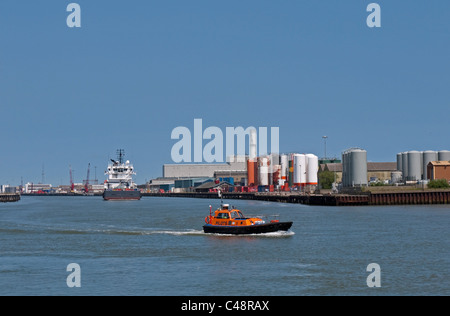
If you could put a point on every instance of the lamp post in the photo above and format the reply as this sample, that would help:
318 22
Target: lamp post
325 141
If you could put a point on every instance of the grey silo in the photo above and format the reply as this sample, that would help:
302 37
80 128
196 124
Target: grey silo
344 169
354 167
399 162
359 167
444 155
405 165
428 156
414 166
348 170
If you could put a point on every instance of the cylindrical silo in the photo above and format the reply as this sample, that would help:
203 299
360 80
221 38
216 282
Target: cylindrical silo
399 162
253 145
405 166
358 167
274 161
264 171
354 168
428 156
396 177
284 169
299 169
312 169
252 172
444 155
414 166
345 169
291 170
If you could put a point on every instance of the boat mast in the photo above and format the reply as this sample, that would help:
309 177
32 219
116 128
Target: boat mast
120 155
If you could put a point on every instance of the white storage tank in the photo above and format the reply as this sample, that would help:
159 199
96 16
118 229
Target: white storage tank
284 169
396 177
253 145
264 171
299 169
414 166
274 161
312 169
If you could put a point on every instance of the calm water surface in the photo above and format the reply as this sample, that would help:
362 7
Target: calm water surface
156 247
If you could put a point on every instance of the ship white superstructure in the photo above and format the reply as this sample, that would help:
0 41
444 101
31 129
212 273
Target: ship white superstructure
120 174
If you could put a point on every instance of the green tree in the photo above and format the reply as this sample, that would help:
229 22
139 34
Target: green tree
326 179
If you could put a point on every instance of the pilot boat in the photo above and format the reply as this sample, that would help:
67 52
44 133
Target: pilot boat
228 220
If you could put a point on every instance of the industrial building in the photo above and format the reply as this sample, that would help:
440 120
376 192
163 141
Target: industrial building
376 171
6 188
233 177
238 164
214 186
35 188
414 164
265 173
439 170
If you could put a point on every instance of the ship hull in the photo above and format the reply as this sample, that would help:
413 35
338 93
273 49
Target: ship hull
122 195
247 230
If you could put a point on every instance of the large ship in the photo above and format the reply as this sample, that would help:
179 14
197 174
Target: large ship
120 185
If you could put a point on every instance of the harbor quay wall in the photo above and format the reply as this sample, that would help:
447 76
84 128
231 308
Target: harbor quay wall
410 198
324 200
9 198
379 198
374 199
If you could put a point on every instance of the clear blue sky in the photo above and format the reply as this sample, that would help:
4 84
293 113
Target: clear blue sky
135 70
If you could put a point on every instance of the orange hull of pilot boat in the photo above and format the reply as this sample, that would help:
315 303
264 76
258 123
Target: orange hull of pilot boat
227 220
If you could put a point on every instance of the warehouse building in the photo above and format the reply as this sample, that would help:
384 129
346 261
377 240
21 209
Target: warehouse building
234 164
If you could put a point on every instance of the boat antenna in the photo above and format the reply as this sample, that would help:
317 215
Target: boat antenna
120 155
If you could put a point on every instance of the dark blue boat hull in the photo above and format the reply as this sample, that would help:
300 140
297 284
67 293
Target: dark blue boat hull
247 230
121 195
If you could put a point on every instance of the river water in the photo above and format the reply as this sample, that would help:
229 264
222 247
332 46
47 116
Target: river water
156 247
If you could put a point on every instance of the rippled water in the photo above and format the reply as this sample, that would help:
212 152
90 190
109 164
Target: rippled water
156 246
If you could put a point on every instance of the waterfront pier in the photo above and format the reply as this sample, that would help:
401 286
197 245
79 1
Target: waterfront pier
7 197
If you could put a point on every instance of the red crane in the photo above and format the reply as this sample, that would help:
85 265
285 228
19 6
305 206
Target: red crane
72 185
86 186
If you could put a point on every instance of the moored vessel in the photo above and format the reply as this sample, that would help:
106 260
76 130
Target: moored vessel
228 220
120 185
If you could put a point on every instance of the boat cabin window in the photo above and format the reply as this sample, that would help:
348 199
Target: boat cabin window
236 214
223 215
